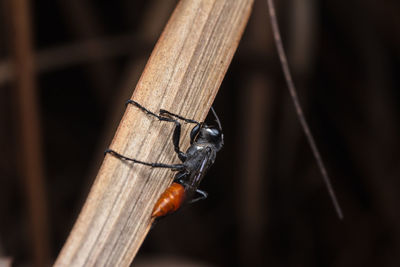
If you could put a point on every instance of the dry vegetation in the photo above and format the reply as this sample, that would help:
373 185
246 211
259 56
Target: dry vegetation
79 62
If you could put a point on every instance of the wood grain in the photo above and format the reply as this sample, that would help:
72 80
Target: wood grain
182 75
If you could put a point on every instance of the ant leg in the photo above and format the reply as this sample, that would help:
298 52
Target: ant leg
177 131
175 140
154 165
130 101
163 112
203 195
195 129
194 132
180 176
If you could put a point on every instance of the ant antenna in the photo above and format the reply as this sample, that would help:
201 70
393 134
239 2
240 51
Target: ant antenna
299 110
216 119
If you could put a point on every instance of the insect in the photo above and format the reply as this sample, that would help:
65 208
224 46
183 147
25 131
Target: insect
205 142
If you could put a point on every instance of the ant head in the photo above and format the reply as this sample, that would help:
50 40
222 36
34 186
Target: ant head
202 133
211 134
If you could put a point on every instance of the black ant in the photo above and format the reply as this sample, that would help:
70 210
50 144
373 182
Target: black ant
205 142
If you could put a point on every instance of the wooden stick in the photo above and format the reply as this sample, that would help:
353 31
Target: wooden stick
182 75
30 157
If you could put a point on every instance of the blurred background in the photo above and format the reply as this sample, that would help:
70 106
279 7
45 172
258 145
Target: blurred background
67 67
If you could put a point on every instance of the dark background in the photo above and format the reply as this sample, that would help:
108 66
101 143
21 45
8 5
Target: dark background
267 203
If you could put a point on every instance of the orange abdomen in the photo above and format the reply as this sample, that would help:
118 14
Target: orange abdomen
169 201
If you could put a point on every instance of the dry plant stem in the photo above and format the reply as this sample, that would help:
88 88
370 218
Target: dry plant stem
182 75
299 110
58 57
30 156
